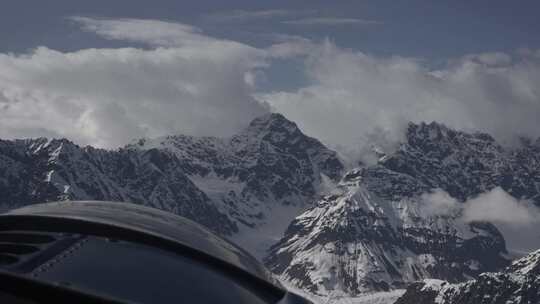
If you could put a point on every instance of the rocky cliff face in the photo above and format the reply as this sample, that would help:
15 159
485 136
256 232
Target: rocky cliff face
374 233
355 241
517 284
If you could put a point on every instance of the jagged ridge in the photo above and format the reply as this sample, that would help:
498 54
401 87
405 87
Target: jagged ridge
372 234
231 185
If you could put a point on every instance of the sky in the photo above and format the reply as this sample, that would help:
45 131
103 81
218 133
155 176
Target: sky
350 73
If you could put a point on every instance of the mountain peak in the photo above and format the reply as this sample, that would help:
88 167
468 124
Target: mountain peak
517 284
435 131
271 117
432 130
272 122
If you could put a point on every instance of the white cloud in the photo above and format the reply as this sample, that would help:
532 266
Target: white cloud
517 220
106 97
245 15
286 46
188 82
352 95
439 203
330 21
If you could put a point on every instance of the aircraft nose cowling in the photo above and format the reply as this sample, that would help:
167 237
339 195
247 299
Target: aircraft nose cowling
124 253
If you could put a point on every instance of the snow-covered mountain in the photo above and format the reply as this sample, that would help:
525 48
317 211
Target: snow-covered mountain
373 231
41 170
355 241
261 178
517 284
247 187
335 233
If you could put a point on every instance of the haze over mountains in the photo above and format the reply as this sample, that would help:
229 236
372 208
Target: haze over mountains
323 227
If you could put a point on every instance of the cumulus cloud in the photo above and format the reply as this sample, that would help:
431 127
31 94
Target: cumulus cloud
516 219
288 46
352 95
186 83
331 21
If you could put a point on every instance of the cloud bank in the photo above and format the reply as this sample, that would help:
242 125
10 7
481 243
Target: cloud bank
185 83
517 220
352 96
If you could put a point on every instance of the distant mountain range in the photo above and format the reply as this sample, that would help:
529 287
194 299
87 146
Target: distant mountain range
291 201
517 284
247 187
371 233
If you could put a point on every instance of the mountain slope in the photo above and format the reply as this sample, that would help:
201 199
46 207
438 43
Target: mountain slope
354 241
517 284
374 232
41 170
466 164
261 177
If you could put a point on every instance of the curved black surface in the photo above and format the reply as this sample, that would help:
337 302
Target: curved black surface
150 221
132 253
